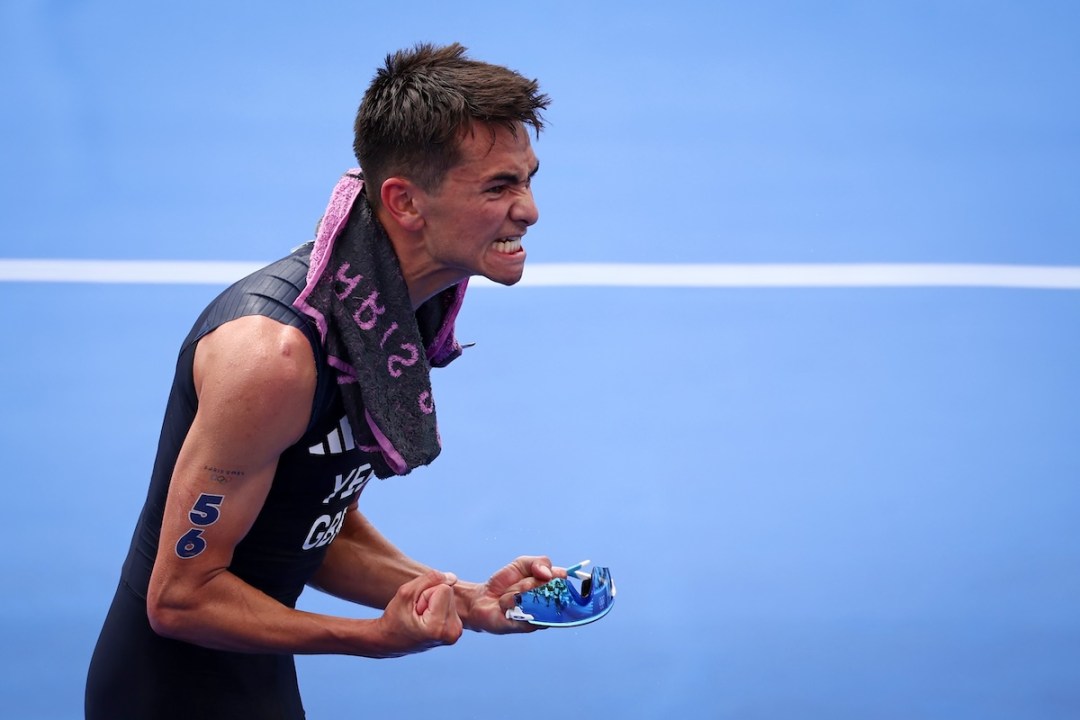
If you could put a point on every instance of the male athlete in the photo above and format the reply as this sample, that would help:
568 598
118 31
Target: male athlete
299 383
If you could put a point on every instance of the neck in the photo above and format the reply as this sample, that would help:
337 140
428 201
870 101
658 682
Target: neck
424 277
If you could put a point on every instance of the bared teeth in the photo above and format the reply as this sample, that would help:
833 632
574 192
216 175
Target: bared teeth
508 245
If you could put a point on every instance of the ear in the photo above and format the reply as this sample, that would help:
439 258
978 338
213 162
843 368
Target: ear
398 196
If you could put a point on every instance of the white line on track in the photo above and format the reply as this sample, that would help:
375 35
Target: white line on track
749 275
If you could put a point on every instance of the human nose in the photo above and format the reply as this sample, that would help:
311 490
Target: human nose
524 209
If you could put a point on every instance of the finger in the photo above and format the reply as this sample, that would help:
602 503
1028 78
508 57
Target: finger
424 586
512 595
523 567
509 601
439 600
423 601
541 569
431 578
441 618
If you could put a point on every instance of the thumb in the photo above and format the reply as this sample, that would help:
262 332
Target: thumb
427 585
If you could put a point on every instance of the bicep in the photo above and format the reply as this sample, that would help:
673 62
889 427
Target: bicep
255 380
216 493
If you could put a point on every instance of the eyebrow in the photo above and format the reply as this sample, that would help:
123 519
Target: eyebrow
513 178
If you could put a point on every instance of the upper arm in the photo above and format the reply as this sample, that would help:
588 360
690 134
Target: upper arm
255 380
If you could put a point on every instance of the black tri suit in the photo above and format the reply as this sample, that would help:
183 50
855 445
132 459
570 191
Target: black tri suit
136 673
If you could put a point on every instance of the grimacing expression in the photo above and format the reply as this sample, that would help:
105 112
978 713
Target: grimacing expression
475 221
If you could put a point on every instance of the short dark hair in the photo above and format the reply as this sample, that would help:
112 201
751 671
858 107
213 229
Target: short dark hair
420 104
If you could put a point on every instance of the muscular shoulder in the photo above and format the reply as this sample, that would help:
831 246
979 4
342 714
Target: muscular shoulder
256 346
257 368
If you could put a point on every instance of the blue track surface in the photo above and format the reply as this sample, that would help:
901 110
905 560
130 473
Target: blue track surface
832 503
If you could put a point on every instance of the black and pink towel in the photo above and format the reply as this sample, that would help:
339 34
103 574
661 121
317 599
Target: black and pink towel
380 348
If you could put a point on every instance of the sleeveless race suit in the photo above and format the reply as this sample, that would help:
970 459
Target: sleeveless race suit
136 673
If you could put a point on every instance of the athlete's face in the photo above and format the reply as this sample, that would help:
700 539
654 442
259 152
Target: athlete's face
474 222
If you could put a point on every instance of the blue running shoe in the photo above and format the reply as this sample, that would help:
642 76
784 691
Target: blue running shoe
560 603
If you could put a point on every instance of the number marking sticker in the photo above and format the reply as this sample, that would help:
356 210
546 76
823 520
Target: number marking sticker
205 512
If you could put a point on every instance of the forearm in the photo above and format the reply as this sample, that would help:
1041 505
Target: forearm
226 613
362 566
